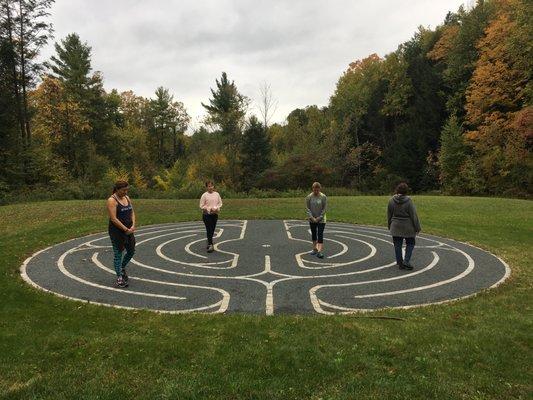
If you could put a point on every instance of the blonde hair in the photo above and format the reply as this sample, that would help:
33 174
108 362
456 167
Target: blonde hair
316 185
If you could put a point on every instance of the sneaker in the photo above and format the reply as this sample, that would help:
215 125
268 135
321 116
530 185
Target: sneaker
400 266
121 283
314 252
407 266
124 276
320 254
210 248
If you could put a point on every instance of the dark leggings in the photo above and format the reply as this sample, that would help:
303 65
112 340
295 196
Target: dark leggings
210 221
317 236
409 246
119 261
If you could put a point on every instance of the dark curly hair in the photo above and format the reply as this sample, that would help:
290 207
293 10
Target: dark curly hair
402 188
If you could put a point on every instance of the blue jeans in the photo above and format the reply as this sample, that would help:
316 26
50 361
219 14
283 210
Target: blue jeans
409 246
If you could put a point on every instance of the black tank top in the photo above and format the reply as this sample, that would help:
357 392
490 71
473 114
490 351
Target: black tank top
124 214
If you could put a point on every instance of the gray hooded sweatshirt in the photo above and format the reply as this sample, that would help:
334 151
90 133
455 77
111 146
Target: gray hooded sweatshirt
402 218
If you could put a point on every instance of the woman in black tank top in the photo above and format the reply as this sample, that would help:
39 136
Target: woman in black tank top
121 228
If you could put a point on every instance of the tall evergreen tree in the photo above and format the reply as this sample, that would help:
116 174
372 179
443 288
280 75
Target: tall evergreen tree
256 153
419 132
9 129
169 119
453 154
226 110
72 65
27 31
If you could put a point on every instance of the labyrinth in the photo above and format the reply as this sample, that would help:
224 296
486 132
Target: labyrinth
264 267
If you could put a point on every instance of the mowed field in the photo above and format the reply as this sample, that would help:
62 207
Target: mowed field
476 348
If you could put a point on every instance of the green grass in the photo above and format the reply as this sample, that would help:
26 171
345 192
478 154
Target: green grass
477 348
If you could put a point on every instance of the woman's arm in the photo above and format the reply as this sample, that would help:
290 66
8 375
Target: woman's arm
308 210
389 213
112 211
414 217
216 208
202 203
323 211
132 229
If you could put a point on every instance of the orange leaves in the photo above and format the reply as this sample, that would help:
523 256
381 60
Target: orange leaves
523 124
494 84
446 42
362 65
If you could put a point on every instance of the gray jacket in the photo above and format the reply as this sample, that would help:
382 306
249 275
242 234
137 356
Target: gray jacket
316 207
402 218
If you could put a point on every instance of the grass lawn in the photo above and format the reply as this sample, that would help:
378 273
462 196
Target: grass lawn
477 348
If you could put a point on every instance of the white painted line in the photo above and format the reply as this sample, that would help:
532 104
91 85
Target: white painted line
469 269
234 262
210 265
62 268
340 253
269 303
317 302
223 303
301 262
188 247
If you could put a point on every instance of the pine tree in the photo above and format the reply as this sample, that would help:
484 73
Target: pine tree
168 122
226 110
452 156
72 65
256 153
28 31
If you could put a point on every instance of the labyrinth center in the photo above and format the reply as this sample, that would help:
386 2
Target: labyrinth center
264 267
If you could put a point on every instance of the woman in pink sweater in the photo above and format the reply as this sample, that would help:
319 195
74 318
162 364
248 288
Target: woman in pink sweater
210 204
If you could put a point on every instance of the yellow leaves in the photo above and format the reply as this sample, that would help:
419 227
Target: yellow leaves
57 114
116 174
162 182
137 179
192 172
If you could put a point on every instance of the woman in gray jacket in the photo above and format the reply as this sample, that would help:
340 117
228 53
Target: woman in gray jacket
316 203
403 224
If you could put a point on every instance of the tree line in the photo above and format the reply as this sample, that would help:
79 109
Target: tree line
449 110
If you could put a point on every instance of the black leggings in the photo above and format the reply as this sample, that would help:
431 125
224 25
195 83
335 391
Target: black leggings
317 226
210 221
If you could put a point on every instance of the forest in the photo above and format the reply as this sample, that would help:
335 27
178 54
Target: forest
448 111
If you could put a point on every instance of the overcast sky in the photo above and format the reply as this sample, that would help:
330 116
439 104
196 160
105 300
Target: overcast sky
299 47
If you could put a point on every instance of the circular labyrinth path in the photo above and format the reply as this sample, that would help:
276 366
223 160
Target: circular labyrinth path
264 267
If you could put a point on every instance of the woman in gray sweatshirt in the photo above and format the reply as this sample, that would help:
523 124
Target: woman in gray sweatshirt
316 203
403 224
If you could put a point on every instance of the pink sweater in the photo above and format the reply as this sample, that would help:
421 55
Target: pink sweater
210 202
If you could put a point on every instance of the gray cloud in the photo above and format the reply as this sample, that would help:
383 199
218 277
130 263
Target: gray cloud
300 47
